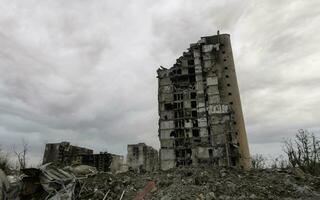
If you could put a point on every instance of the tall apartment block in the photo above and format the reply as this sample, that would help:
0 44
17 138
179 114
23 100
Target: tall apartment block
201 120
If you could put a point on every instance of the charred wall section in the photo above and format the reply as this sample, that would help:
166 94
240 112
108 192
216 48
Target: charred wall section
201 120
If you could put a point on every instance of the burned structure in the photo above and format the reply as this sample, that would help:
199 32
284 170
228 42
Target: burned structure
201 120
64 154
142 157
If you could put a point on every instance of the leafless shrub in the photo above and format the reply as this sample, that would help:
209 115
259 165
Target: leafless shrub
304 151
279 162
22 155
258 161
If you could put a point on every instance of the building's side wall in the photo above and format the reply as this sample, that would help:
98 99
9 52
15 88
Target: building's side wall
232 95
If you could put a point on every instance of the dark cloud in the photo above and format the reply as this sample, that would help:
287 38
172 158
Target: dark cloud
85 71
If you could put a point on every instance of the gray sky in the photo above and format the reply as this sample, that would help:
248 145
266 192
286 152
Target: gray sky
85 70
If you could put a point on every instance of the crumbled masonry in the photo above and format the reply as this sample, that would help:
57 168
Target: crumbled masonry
181 183
201 120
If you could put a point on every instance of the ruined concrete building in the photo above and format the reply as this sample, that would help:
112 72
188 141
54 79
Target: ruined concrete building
142 157
64 154
201 120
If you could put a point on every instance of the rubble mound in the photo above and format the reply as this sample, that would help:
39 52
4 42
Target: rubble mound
202 184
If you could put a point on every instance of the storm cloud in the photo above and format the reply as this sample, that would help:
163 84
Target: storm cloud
85 71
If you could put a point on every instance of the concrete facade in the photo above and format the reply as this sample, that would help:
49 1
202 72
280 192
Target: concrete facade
63 153
201 120
142 157
103 161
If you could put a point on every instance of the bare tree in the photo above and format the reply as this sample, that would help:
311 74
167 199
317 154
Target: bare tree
22 155
5 164
304 151
279 162
258 161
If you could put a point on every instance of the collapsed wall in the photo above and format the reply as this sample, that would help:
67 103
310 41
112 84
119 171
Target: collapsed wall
201 120
142 157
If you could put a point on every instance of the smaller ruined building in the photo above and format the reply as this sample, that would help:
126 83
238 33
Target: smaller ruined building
64 154
103 161
142 157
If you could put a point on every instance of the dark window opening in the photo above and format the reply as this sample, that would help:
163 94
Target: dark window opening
236 133
194 114
234 123
190 62
173 134
225 67
195 133
233 162
223 52
192 78
195 123
229 93
227 76
191 70
224 60
165 117
168 106
228 85
179 71
193 104
210 152
193 95
231 103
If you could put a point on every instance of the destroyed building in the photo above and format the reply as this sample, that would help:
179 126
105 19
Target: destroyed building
142 157
201 120
64 154
103 161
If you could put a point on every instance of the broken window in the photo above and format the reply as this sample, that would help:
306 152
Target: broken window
168 106
193 95
195 133
193 104
195 123
191 70
192 78
194 114
210 152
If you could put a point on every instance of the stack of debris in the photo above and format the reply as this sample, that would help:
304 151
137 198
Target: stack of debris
85 182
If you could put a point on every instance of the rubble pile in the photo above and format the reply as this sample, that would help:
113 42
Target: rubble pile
204 184
196 183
